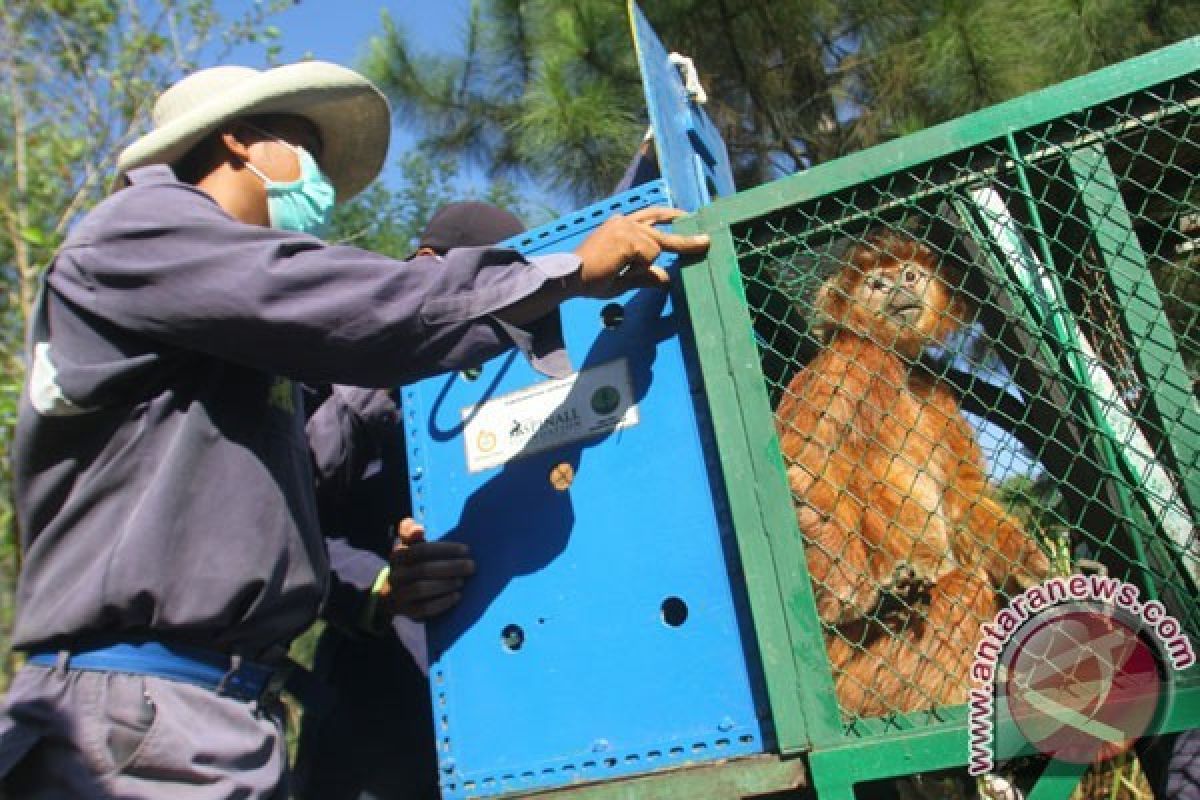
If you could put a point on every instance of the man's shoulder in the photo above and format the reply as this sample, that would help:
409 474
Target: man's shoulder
153 200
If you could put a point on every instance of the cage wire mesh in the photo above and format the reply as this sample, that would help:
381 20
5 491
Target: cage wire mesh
1044 409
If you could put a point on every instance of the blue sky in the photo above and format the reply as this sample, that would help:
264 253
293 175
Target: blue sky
337 30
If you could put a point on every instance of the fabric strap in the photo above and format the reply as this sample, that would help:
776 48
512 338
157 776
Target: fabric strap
224 674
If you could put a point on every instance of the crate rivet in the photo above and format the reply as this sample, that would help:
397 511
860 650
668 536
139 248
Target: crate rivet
726 725
601 746
562 476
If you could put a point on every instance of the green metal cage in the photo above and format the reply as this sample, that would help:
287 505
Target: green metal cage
1069 220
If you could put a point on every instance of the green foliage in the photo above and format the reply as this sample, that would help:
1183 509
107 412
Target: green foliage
303 651
9 551
1038 505
548 90
926 62
389 220
1034 501
774 76
545 90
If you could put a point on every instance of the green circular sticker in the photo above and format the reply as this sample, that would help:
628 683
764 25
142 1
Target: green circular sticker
605 400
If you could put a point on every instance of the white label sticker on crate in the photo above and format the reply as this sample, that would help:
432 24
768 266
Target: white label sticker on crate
551 414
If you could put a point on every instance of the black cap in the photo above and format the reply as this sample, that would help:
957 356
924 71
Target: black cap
468 225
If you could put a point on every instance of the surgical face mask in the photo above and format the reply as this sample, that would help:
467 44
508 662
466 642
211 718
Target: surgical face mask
303 205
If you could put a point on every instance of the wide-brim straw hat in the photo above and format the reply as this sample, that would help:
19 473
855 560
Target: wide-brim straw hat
350 113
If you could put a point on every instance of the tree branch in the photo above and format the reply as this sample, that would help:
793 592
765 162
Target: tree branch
756 98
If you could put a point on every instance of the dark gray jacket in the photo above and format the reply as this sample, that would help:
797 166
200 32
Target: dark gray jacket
361 474
163 482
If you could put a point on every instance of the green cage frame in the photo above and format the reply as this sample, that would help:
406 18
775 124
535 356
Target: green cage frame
798 676
816 748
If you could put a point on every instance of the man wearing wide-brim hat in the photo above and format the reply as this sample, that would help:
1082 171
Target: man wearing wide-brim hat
163 485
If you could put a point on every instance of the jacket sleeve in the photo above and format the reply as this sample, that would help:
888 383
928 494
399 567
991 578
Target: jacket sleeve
343 434
162 262
353 573
343 438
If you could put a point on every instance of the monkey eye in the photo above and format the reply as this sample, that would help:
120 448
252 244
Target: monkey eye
877 283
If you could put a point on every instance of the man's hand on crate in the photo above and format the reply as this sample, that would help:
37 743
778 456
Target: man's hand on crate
618 256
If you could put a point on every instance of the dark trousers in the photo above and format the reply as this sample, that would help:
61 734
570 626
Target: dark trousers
373 739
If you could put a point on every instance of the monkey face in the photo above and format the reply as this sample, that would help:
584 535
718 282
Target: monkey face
898 300
896 293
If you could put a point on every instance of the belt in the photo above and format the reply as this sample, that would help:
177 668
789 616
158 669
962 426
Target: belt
218 672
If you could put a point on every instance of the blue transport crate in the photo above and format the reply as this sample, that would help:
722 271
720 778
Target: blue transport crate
601 636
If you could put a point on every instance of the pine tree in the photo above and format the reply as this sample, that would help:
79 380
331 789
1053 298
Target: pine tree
548 89
924 62
545 90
